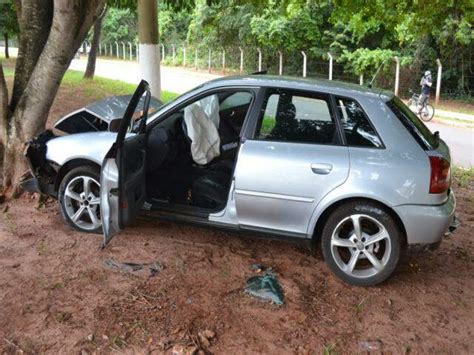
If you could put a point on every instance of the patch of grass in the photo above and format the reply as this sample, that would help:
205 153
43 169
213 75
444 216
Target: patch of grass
464 177
12 227
99 87
359 308
42 248
329 349
62 317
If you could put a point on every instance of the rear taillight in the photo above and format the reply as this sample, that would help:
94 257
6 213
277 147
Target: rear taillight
440 175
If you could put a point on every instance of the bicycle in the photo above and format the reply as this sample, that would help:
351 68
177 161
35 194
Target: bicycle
425 111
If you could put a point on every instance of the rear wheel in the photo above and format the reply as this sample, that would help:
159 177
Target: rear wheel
79 199
361 243
427 113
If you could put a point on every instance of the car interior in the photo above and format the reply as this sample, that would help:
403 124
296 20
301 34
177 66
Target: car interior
191 154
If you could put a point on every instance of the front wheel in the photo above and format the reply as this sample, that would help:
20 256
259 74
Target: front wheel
427 113
79 199
361 243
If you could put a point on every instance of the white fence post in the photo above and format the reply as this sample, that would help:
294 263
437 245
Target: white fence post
196 58
137 50
117 49
124 53
361 79
111 52
330 65
259 59
162 51
130 50
241 60
280 67
209 61
304 64
438 81
397 74
100 49
184 56
223 61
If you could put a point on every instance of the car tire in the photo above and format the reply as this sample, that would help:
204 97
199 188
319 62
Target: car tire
364 256
72 198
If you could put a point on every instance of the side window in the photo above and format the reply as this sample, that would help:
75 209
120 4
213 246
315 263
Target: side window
233 110
235 100
297 117
355 124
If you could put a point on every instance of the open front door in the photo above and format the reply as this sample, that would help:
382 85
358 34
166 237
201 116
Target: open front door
122 178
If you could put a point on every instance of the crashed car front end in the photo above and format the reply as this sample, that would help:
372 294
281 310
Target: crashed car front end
42 176
51 150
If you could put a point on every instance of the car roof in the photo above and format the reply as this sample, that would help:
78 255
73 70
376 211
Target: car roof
311 84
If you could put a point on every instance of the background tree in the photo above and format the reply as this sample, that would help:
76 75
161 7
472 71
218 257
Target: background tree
50 34
92 55
8 24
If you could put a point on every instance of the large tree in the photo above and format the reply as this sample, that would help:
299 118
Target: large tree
51 32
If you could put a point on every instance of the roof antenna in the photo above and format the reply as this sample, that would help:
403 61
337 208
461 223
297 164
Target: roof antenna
375 75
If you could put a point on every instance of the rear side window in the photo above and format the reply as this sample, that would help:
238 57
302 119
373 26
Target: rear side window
298 117
355 124
415 126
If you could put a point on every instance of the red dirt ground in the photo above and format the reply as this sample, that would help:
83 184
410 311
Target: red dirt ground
57 296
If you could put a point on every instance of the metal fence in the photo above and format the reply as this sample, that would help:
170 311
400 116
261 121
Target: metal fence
393 76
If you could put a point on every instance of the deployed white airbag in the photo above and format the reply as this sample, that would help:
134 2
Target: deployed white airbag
202 120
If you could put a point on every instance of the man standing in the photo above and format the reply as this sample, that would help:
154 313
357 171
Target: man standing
425 83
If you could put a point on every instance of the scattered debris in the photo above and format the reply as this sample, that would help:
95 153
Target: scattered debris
127 267
154 267
205 337
258 267
370 345
90 337
266 287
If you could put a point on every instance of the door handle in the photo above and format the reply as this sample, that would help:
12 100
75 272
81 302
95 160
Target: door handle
321 168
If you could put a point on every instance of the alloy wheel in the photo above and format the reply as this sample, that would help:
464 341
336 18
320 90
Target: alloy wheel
82 202
361 246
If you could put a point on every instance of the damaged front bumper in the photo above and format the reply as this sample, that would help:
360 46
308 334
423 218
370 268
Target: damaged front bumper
42 175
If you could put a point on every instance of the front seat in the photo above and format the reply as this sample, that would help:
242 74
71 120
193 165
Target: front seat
211 190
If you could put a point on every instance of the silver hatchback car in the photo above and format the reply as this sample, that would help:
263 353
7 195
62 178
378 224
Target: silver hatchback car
349 167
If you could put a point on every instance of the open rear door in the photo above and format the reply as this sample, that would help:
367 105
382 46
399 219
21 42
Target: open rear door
122 178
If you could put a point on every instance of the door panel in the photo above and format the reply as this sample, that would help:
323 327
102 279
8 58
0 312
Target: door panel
123 189
278 184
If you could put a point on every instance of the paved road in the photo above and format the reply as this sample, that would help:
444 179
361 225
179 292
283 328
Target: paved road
176 80
460 140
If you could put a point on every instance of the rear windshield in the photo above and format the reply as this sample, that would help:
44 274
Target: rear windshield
415 126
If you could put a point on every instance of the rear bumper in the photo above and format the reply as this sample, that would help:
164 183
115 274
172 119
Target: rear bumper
427 225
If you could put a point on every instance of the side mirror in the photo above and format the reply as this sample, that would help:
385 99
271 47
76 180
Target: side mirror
114 125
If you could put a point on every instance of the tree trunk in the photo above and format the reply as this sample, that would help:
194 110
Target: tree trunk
5 36
71 21
92 57
35 23
148 36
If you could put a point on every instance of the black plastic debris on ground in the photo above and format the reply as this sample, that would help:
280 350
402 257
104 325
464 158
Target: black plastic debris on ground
266 287
154 267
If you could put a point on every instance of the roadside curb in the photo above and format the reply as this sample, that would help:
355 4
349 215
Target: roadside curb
451 122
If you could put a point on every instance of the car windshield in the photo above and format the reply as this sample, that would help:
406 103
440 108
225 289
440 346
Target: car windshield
414 125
